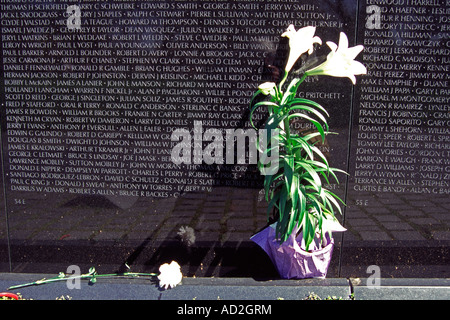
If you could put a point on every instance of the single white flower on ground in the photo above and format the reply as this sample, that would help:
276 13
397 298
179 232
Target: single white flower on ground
267 88
170 275
300 41
340 61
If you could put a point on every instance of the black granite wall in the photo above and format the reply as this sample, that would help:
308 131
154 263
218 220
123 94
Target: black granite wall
91 93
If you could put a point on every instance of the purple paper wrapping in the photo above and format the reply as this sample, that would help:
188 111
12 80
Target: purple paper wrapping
291 261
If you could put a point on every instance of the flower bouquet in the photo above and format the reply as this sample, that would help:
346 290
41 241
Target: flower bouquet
300 242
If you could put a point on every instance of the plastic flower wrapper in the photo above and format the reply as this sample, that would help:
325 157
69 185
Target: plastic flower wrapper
301 261
340 61
170 275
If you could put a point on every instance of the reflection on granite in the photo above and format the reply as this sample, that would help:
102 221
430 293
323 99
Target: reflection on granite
406 234
94 231
392 216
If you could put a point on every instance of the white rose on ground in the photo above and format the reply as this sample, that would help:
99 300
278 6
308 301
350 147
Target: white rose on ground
170 275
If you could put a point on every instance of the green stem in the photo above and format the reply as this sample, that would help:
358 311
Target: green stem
286 121
280 86
298 83
127 274
83 276
302 78
288 135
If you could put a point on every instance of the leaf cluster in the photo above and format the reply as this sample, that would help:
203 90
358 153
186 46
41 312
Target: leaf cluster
296 192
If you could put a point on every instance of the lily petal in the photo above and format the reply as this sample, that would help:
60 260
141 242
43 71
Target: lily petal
267 88
340 61
300 41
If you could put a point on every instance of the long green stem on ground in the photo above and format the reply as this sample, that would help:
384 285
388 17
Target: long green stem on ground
89 276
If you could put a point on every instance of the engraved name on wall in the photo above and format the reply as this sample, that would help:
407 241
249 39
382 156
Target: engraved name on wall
93 91
402 122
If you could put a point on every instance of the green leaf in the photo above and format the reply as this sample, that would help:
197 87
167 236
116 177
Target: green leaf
294 200
291 90
294 190
287 214
311 172
274 121
321 155
319 223
308 231
302 202
273 144
333 198
310 102
282 202
332 171
268 181
255 95
312 185
314 122
257 105
299 144
311 110
315 134
267 184
273 203
288 166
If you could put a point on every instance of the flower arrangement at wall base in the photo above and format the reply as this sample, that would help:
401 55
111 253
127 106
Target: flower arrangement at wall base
300 242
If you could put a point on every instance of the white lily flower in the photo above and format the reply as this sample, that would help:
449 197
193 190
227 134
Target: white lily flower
300 41
340 61
267 88
170 275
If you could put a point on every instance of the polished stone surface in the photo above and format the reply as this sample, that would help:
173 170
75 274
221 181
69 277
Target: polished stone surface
392 139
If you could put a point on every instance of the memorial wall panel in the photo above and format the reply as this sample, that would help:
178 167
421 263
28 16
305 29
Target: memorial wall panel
4 252
93 92
399 182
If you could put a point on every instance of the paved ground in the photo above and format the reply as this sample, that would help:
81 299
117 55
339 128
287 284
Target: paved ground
241 290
